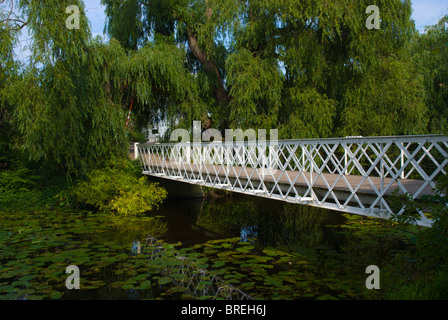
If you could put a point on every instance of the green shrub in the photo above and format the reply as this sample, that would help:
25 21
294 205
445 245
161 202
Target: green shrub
119 187
140 198
20 179
427 279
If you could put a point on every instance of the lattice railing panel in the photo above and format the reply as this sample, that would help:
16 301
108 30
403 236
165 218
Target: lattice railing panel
353 174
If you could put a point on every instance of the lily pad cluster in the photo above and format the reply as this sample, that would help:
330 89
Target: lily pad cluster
265 273
115 262
37 247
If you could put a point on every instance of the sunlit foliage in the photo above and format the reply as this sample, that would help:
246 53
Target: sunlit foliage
308 68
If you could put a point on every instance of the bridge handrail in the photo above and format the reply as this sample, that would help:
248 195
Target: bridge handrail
348 139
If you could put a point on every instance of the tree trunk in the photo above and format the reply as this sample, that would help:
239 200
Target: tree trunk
221 94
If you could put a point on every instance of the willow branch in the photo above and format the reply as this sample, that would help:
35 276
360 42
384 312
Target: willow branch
19 27
10 11
221 93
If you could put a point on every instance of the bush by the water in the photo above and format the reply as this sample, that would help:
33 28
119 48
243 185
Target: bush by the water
22 188
119 187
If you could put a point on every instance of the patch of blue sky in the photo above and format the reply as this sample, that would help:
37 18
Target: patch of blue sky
425 13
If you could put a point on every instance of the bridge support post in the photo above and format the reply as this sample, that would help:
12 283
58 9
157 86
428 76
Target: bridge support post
345 159
178 189
136 150
402 161
382 176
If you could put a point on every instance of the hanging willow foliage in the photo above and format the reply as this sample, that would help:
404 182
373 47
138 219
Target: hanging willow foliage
307 68
63 109
72 98
310 67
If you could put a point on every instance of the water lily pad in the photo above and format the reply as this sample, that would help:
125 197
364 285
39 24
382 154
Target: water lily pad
56 295
145 284
164 280
272 252
127 286
218 263
245 249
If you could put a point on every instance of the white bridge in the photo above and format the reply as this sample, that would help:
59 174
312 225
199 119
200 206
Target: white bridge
354 174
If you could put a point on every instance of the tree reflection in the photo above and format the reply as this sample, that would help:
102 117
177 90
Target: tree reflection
271 222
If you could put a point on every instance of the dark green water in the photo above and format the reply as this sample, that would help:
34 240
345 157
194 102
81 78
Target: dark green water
268 249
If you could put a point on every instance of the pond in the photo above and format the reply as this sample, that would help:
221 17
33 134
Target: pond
265 248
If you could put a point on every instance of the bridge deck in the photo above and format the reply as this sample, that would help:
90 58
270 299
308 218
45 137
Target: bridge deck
338 182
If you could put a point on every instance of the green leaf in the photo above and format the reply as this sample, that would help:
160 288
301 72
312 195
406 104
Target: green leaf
245 249
145 284
127 286
164 280
56 295
218 263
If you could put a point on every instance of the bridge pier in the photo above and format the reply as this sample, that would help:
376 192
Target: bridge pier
178 189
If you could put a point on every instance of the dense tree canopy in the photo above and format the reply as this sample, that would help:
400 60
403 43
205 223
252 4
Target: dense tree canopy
310 68
8 72
62 107
431 51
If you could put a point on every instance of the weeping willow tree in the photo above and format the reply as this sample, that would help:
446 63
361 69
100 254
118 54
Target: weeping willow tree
156 78
9 70
66 116
71 100
431 49
309 68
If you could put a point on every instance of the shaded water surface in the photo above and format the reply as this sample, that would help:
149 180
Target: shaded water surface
268 249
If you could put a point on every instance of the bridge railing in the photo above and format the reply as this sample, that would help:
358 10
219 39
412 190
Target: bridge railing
351 174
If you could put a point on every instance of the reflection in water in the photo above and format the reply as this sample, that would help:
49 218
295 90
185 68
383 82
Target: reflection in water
333 249
181 217
249 232
270 222
136 248
332 253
